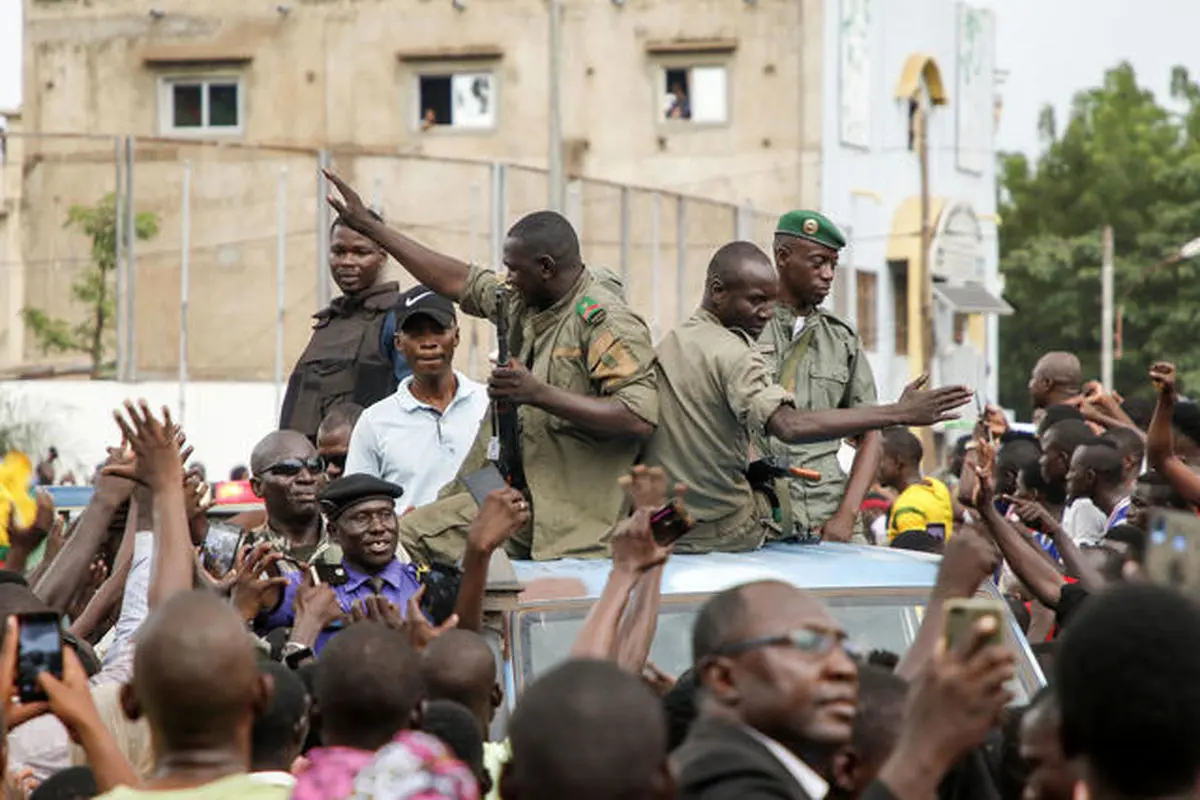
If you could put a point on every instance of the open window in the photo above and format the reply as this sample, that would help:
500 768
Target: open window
698 94
456 100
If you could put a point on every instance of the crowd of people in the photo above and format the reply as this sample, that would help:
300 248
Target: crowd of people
345 650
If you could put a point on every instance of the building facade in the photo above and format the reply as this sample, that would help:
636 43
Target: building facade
718 113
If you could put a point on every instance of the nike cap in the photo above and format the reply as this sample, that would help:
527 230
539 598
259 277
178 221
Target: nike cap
419 301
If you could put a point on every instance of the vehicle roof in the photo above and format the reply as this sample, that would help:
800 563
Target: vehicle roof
69 498
815 566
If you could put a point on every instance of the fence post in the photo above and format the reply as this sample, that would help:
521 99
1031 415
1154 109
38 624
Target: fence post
574 206
743 227
185 252
499 211
122 267
324 220
280 279
626 233
131 268
474 209
655 265
681 260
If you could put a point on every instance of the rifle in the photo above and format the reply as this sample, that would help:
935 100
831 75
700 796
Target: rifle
505 450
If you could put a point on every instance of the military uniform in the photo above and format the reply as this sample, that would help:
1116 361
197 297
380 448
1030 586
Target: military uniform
714 389
295 558
345 360
824 367
588 343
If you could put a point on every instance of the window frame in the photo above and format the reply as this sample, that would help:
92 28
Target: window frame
166 103
689 61
868 325
443 69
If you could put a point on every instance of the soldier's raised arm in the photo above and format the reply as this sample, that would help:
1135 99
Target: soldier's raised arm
443 274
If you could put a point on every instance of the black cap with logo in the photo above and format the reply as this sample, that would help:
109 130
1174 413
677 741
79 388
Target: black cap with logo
422 301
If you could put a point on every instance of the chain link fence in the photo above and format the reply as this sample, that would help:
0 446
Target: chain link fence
226 286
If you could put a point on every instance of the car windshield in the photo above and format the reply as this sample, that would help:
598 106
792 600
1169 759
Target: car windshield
874 619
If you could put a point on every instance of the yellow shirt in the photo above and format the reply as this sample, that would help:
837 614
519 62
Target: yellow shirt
920 507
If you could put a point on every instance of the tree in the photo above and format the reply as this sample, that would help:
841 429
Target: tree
1122 160
93 287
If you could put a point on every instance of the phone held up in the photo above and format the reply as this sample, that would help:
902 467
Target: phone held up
669 523
962 614
39 650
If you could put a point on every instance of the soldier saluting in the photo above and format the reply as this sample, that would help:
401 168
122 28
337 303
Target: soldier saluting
581 373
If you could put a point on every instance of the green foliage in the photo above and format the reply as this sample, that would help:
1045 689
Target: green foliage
93 287
1122 160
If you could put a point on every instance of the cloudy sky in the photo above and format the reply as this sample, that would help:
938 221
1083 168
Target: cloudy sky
1051 49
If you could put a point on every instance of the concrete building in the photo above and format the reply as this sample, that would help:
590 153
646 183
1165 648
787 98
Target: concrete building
727 111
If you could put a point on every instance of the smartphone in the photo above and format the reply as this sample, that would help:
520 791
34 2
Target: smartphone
39 650
482 483
669 523
962 614
220 548
331 574
1173 549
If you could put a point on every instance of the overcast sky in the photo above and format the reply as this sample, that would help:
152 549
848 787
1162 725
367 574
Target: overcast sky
1050 48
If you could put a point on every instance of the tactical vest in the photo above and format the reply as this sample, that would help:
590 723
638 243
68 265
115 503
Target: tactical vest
343 361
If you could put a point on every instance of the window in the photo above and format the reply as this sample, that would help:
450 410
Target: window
698 94
899 275
201 105
462 100
961 321
868 323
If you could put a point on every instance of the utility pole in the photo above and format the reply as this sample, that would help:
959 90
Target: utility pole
1106 310
557 200
920 281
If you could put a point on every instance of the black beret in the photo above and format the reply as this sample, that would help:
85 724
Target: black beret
353 489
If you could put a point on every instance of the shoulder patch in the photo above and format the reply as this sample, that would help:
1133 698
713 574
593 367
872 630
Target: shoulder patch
589 309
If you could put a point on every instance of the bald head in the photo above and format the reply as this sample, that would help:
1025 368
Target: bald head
460 666
741 287
278 446
733 261
1057 376
762 608
196 677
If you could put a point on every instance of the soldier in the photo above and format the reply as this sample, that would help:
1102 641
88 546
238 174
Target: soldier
715 391
352 355
582 377
820 360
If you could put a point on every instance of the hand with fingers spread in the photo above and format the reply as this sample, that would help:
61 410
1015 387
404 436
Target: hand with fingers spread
158 462
930 406
419 629
109 485
914 387
253 589
502 514
350 207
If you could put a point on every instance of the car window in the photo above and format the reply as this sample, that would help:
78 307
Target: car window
875 620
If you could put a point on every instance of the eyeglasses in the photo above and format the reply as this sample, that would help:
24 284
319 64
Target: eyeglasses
361 521
294 466
807 640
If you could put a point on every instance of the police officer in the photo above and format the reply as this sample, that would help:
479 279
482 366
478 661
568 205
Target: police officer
352 355
582 376
716 390
819 359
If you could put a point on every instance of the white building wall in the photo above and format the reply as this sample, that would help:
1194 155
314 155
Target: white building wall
862 187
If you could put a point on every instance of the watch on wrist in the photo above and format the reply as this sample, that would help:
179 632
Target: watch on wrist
295 654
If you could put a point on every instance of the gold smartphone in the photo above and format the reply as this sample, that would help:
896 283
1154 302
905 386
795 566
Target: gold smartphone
962 614
1173 549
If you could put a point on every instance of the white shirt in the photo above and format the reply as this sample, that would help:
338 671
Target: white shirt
135 599
812 783
412 444
1084 522
798 328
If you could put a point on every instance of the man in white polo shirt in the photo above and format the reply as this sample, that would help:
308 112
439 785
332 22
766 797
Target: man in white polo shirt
418 437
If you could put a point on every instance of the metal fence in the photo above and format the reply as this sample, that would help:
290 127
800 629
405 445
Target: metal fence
227 286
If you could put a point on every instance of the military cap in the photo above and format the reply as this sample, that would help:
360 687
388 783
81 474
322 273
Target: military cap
351 490
811 225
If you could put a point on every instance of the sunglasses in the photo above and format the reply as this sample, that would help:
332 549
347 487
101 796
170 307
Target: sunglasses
806 640
338 461
294 466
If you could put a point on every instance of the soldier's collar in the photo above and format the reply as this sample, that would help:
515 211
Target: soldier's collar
568 300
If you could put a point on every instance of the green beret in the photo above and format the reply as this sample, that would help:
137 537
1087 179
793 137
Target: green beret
811 225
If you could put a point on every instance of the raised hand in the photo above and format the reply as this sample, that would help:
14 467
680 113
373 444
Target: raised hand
155 445
350 208
252 592
914 386
647 487
502 514
634 548
1162 375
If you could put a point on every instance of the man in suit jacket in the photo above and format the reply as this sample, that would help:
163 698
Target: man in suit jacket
779 695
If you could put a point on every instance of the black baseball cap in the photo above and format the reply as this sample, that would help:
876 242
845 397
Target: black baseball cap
420 300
